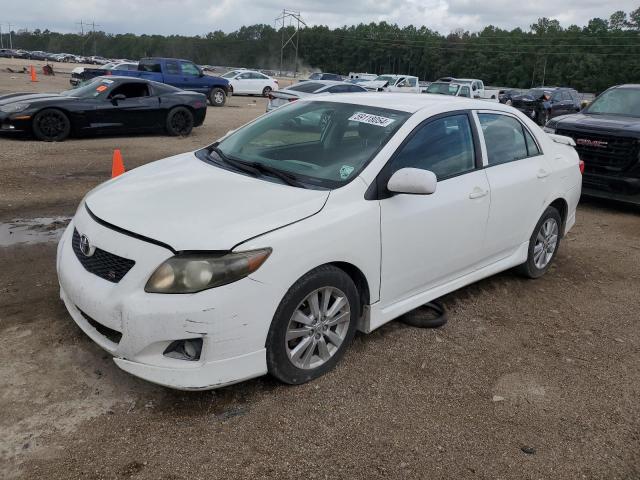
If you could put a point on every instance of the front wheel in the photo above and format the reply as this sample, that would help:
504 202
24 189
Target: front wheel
313 326
217 97
51 125
543 244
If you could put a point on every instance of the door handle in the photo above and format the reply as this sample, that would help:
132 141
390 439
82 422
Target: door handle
478 193
542 173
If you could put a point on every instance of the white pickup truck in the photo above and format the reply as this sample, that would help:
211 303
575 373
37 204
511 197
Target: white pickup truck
393 83
476 86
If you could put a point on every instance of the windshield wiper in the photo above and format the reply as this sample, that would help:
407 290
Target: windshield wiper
287 178
257 168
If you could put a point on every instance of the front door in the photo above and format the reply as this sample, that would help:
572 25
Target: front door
428 240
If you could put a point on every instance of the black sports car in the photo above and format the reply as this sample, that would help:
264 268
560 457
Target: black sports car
106 105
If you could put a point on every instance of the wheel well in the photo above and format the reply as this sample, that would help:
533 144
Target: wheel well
358 278
561 205
62 110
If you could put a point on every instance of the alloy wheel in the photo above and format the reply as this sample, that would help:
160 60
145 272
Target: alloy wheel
318 327
180 122
546 243
51 124
218 97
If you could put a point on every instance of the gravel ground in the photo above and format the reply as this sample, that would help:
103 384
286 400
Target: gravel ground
528 380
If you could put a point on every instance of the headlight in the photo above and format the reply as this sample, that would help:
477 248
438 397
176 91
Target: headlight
14 107
549 129
191 273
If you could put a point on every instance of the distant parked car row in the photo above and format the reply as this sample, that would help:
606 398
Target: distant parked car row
52 57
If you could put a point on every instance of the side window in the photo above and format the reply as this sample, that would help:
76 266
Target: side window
411 82
189 69
443 146
464 91
339 89
172 67
355 88
244 76
504 138
131 90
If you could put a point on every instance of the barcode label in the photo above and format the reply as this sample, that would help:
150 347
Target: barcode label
371 119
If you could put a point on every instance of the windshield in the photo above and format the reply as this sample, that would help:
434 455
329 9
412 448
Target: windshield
617 101
443 88
384 78
89 90
321 143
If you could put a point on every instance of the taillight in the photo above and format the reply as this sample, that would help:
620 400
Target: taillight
581 163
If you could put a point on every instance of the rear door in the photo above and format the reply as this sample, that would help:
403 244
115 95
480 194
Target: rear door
518 174
428 240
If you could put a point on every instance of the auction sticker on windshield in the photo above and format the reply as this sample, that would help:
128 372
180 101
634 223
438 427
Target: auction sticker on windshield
371 119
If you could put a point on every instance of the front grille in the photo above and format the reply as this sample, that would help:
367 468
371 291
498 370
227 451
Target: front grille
616 154
106 265
111 334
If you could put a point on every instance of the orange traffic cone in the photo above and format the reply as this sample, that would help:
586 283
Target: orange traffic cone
117 167
34 78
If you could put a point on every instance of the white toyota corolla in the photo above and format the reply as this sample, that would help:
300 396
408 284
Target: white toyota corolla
267 250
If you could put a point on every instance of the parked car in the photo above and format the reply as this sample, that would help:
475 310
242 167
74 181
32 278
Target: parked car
250 82
506 96
476 85
324 76
38 55
106 105
301 90
607 136
543 103
80 75
268 249
450 88
182 74
97 60
393 83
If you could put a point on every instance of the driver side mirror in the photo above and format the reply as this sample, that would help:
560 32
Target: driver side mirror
413 181
118 97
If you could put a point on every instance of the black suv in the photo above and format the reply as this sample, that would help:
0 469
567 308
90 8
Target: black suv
542 103
607 136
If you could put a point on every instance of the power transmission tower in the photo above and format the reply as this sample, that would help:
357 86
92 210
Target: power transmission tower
93 30
294 38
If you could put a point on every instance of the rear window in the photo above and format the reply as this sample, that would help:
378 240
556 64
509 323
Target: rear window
306 87
150 66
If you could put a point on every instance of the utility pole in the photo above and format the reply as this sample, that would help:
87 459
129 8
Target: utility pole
544 70
1 42
10 41
93 29
294 39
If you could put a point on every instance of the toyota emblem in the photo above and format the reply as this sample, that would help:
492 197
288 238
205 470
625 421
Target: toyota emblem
85 246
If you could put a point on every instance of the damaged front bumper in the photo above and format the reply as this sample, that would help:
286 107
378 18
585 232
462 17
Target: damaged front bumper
137 328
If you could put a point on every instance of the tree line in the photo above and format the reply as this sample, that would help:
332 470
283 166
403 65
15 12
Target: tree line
589 58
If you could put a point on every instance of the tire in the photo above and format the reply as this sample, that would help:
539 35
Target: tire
266 91
295 352
429 315
179 122
217 97
51 125
538 263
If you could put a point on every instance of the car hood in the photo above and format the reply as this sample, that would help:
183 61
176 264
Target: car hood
192 205
587 122
31 98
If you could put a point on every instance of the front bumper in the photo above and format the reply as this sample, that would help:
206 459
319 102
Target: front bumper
232 320
611 187
10 124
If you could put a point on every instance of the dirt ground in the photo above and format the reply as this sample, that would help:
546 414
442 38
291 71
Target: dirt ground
528 380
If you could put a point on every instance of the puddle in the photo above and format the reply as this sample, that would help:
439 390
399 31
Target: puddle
32 230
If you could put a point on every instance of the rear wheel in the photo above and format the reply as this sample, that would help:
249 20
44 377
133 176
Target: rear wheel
217 97
51 125
266 91
543 244
313 326
180 122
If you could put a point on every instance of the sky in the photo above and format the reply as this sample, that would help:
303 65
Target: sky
193 17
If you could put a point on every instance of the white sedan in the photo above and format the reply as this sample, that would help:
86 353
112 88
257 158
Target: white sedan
265 251
250 82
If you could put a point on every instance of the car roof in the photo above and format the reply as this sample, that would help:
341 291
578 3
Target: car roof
411 102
